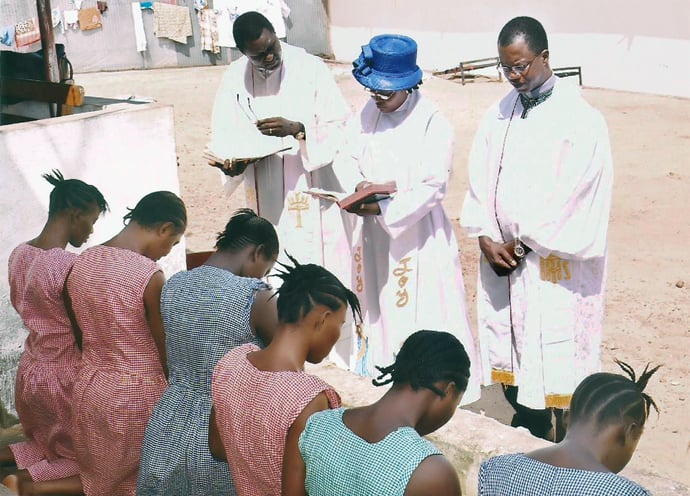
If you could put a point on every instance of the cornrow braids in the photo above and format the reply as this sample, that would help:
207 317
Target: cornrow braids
308 285
157 208
425 358
245 228
609 398
72 193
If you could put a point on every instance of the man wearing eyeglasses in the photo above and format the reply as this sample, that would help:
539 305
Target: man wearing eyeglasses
540 174
278 96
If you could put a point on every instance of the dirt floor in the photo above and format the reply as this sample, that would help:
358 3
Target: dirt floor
648 297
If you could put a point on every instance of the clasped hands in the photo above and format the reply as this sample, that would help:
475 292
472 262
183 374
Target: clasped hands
501 256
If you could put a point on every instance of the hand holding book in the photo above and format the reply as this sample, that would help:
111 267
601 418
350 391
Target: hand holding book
364 201
235 166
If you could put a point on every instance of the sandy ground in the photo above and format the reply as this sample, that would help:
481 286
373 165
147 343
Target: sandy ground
648 298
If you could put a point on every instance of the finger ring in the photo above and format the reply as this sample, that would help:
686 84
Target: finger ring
270 130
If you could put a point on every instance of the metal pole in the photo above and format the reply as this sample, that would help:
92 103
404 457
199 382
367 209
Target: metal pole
50 63
45 23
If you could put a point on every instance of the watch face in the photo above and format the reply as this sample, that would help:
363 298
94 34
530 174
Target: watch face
519 251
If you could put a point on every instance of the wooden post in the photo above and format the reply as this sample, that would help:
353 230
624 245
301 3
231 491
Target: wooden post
50 63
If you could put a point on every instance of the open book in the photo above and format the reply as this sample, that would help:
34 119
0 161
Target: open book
220 161
369 194
239 140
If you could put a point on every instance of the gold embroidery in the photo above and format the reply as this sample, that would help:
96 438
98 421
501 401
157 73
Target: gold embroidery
558 400
399 272
554 269
358 258
297 203
251 196
503 376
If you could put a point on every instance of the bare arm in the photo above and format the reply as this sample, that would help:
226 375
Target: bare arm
263 318
152 304
435 475
215 443
294 471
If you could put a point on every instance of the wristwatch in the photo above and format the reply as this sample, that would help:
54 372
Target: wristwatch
519 249
300 135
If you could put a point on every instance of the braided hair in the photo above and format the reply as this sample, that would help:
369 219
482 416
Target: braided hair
157 208
308 285
72 193
609 398
427 357
245 228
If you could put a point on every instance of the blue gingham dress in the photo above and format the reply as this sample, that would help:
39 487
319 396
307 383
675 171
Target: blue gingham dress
519 475
205 314
340 463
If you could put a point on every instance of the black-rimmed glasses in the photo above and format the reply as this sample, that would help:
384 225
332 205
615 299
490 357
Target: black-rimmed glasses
520 70
380 95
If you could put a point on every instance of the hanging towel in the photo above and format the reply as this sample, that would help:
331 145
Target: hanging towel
89 19
209 30
171 21
7 35
26 32
71 18
139 33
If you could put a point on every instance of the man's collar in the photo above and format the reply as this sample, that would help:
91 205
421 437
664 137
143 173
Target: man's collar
544 87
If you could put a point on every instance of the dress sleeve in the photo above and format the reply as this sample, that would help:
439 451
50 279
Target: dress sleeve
345 163
575 216
324 132
224 114
475 212
410 205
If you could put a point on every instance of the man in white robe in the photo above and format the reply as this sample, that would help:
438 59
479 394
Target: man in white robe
291 97
407 270
539 197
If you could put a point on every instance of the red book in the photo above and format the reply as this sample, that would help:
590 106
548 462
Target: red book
369 194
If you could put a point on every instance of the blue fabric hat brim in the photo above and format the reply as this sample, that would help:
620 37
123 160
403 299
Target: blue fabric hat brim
388 63
378 81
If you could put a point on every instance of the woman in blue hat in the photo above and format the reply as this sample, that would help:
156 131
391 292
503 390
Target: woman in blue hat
407 270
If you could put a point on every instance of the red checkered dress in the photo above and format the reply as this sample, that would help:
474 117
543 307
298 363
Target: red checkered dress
254 410
121 378
48 366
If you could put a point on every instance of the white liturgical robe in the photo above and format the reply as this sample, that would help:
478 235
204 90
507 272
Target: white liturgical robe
546 179
302 89
406 267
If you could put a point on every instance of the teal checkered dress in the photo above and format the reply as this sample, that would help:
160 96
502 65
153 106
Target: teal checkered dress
340 463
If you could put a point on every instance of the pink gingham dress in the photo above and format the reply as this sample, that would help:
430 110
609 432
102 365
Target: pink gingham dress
254 410
121 378
48 366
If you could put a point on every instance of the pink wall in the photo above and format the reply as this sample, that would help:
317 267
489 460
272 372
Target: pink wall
626 45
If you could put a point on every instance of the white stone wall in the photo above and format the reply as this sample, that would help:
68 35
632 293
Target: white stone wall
632 46
125 152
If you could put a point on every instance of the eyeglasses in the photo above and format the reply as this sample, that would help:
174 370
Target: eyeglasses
384 96
520 70
249 106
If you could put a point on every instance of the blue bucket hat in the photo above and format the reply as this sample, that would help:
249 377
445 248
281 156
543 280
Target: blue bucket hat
388 63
